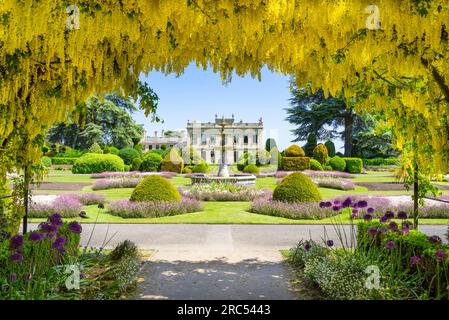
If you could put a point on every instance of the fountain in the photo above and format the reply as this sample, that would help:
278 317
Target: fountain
223 175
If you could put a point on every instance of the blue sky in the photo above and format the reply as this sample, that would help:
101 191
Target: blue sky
199 95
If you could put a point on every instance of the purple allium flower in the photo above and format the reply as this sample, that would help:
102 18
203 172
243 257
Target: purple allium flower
35 236
370 210
372 231
81 275
383 229
322 204
367 217
335 208
415 260
330 243
13 277
100 206
393 226
328 204
389 214
16 257
440 254
75 227
307 246
355 205
389 245
383 219
402 215
407 225
405 231
362 204
435 239
55 220
355 210
337 202
354 215
347 203
16 242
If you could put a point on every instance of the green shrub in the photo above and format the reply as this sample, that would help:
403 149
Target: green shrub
310 144
111 150
137 162
315 165
294 151
127 168
172 162
354 165
95 163
382 162
337 163
128 155
251 168
327 168
320 154
151 162
155 188
330 148
63 161
296 187
201 167
245 159
187 169
46 162
95 148
154 151
295 163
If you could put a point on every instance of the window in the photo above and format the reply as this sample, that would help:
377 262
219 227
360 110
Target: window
235 156
236 139
150 147
203 139
212 156
203 154
212 140
255 139
157 146
245 139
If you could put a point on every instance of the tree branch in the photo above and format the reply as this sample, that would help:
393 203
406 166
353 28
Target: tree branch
437 77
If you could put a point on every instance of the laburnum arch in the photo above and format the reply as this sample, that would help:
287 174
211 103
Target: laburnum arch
50 59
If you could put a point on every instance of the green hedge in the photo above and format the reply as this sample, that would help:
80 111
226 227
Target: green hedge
128 155
295 163
315 165
353 165
95 163
382 162
151 162
296 187
337 163
201 167
63 161
155 188
294 151
251 168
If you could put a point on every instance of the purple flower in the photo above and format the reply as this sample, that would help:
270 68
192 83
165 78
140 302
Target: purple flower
407 225
370 210
347 203
330 243
405 231
383 229
354 215
383 219
55 220
355 210
389 214
16 242
389 245
435 240
35 236
322 204
13 277
75 227
362 204
307 246
328 204
393 226
367 217
16 257
441 254
100 206
415 260
335 208
402 215
372 231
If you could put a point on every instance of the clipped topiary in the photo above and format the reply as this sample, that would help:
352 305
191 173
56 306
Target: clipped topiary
296 187
330 148
155 188
128 155
310 144
294 151
315 165
201 167
320 154
354 165
95 163
172 162
251 168
95 148
151 162
337 163
295 163
111 150
135 166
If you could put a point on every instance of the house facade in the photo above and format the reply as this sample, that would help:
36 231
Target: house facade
156 141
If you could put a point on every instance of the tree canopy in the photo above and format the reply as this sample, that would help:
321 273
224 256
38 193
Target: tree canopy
53 57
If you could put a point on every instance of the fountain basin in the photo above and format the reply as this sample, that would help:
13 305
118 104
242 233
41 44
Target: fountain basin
247 179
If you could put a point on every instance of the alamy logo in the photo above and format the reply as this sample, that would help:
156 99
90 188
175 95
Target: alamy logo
373 20
373 280
73 20
73 280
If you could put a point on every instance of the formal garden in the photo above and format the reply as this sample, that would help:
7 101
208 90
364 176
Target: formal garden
71 152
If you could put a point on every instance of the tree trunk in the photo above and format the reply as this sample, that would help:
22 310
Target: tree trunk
26 194
415 197
348 133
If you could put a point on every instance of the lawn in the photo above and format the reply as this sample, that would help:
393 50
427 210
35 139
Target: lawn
217 212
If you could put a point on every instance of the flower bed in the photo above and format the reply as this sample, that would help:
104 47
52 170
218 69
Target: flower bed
153 209
113 183
338 184
223 192
299 210
132 174
318 174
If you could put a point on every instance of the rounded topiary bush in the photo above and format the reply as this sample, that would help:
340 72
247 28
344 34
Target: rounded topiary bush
337 163
294 151
315 165
155 188
95 163
201 167
172 162
296 187
128 155
137 162
151 162
251 168
320 154
95 148
330 148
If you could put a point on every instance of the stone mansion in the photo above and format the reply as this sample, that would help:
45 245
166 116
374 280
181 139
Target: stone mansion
206 139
